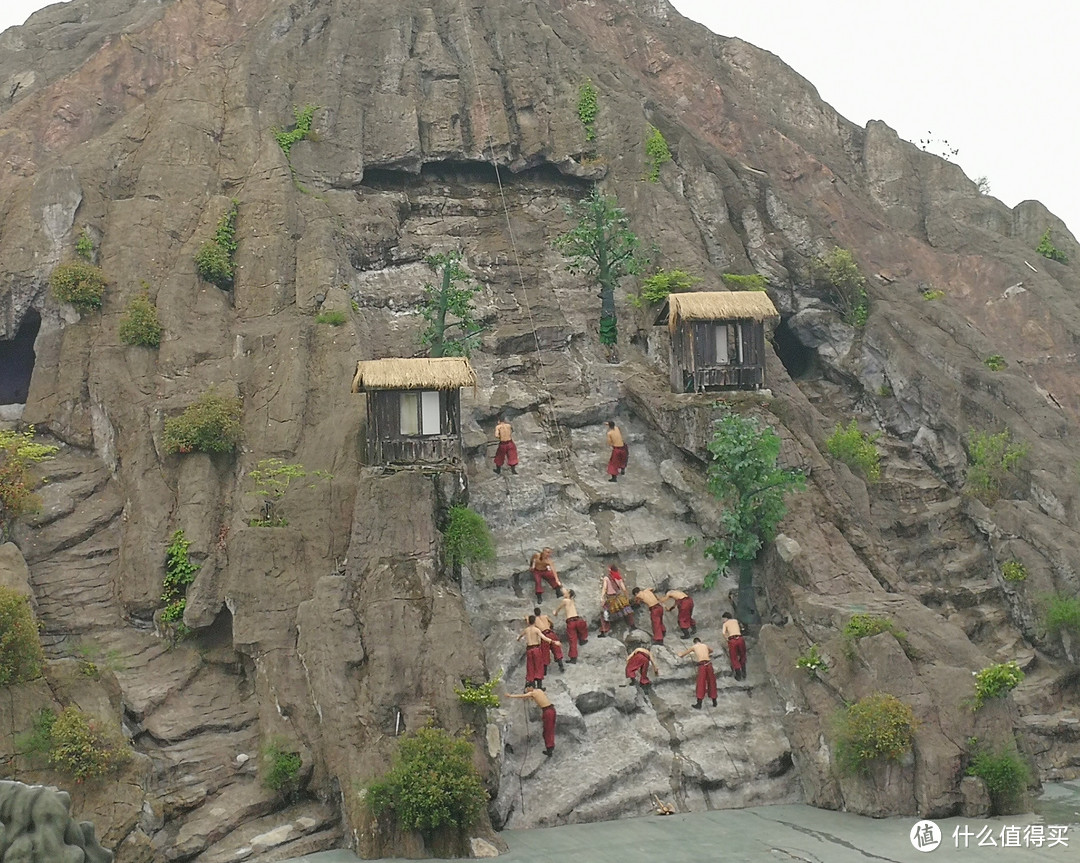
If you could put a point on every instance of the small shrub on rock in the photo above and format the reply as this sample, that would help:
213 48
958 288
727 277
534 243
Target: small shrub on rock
279 767
879 726
482 694
211 424
656 288
1013 570
753 282
1061 614
1005 773
1047 249
333 318
19 450
83 747
657 153
433 783
84 246
214 260
856 449
992 460
180 571
996 681
79 283
812 662
467 539
865 625
140 325
588 107
995 362
838 273
20 647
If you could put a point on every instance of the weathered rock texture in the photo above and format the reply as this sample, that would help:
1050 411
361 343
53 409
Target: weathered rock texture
140 122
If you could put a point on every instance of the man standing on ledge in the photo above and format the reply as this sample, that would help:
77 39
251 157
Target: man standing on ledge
735 645
547 715
534 656
656 612
640 660
706 674
620 452
547 627
685 604
507 451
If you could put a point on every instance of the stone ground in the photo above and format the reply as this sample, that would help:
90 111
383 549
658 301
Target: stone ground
772 833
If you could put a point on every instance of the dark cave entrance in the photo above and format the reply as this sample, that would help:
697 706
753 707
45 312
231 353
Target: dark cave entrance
17 361
799 360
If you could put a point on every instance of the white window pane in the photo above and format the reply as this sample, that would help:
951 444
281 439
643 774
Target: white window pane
429 412
738 341
721 344
409 413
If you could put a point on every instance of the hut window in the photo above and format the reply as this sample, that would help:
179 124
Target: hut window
420 413
728 344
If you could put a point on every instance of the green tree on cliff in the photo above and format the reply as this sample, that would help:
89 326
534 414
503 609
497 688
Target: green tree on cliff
745 478
603 247
452 298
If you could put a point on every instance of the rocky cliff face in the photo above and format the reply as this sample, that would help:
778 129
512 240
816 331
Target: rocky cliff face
342 628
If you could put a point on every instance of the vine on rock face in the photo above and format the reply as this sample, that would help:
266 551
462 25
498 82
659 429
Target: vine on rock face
179 573
588 107
657 154
214 260
21 655
299 131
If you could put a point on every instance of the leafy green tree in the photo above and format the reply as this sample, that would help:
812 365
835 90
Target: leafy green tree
656 288
841 277
271 478
603 247
1047 249
467 539
745 478
453 298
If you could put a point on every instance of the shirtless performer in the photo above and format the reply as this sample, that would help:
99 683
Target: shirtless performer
507 450
542 570
640 660
577 628
534 657
547 626
685 604
706 674
644 596
547 715
620 452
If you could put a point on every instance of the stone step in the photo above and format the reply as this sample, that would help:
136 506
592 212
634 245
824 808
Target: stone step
278 836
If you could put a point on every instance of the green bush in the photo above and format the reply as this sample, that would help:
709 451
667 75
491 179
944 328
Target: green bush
656 153
482 694
432 783
37 742
856 449
846 285
19 450
812 662
656 288
140 324
79 283
214 260
467 539
753 282
20 647
865 625
1013 570
933 294
879 726
1061 613
996 681
271 478
587 108
1047 249
179 573
211 424
995 362
83 747
84 246
992 457
334 318
279 767
300 130
1005 773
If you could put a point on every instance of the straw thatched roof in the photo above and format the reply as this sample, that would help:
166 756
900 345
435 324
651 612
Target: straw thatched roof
717 306
425 373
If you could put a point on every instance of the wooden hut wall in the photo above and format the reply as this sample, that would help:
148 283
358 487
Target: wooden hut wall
693 354
386 443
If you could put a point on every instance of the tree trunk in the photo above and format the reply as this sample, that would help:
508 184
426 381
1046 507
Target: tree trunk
609 332
746 605
438 344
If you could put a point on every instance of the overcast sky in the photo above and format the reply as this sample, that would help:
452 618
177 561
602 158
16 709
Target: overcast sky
996 79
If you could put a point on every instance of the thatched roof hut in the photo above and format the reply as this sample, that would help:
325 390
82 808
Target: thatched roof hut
422 373
718 306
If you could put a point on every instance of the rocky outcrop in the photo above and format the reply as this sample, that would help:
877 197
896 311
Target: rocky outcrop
151 120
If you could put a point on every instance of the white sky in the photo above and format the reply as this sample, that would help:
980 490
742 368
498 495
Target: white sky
997 79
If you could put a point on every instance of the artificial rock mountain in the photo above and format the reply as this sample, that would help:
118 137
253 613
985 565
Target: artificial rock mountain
138 121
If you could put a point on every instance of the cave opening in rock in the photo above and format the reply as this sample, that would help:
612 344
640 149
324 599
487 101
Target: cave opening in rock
17 361
799 360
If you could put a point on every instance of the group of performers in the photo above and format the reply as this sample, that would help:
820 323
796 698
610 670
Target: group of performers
506 453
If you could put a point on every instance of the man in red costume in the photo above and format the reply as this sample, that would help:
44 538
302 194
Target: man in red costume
620 452
534 657
507 451
685 604
736 646
640 660
706 674
547 627
577 628
644 596
547 715
542 570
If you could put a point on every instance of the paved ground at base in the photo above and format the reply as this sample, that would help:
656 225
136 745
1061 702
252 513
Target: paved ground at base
778 834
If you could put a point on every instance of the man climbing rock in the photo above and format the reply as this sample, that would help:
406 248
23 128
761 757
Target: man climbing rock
614 601
534 657
620 452
685 604
735 645
507 450
640 660
645 596
547 715
706 674
547 627
577 629
542 570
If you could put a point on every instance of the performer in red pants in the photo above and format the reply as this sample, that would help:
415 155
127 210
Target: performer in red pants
534 656
547 716
577 628
620 452
507 450
736 646
685 604
646 597
640 660
706 674
545 625
542 570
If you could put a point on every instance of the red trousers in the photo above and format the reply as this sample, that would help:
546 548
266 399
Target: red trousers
577 631
546 575
620 456
638 662
549 649
534 663
507 452
706 680
736 648
686 613
656 612
547 716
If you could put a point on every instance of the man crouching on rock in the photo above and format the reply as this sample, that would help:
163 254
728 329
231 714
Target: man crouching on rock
547 715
